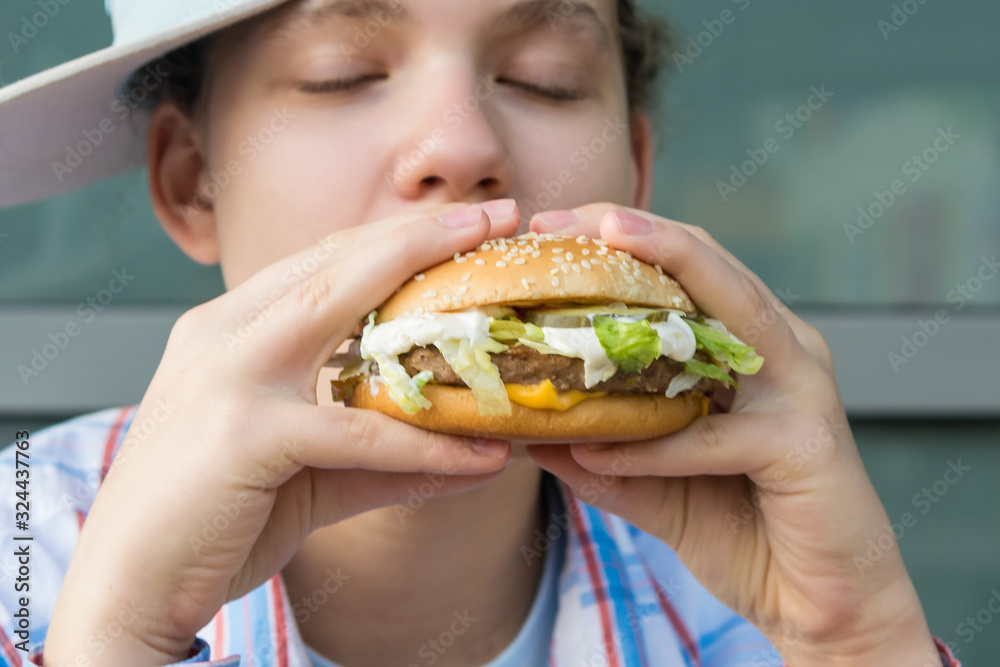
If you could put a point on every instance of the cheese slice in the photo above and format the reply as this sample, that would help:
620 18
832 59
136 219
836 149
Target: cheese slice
544 396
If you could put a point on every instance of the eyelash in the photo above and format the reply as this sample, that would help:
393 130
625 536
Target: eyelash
553 93
550 92
339 85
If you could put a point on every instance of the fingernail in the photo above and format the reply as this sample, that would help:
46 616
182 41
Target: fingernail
463 217
632 224
500 209
494 449
558 219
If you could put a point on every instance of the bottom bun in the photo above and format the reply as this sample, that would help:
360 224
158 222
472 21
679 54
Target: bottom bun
612 418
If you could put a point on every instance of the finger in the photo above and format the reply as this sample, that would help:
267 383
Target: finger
322 309
601 487
720 289
348 438
332 248
586 220
759 445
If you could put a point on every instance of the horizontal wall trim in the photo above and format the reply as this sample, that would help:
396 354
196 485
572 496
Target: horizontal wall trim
949 368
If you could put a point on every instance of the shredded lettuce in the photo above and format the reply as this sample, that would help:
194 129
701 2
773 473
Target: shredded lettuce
473 364
632 346
726 347
405 390
710 371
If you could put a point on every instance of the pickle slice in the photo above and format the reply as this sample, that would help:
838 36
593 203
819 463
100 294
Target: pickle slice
580 316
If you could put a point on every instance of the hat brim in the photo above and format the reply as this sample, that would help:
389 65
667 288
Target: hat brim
66 127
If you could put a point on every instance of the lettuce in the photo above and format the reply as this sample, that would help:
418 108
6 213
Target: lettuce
726 347
710 371
473 364
405 390
632 346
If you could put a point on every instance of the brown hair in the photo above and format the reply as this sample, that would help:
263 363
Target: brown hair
645 41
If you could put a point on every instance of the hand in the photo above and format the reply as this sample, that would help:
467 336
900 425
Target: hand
241 465
765 500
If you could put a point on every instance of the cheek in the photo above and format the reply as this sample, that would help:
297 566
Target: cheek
575 165
291 191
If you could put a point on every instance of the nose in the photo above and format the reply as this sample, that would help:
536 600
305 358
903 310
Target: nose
452 147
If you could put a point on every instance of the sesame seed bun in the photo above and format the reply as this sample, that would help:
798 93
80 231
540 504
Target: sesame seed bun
537 268
526 271
613 418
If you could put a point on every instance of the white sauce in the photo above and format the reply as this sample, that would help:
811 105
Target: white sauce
402 335
582 343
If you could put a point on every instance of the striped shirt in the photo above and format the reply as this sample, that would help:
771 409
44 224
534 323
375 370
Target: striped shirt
625 599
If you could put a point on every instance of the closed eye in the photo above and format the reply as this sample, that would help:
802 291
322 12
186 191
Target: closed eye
550 92
338 85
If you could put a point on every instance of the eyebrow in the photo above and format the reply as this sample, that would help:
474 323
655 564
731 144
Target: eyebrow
574 15
312 10
577 16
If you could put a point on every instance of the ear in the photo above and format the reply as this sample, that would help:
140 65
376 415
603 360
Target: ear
177 174
643 158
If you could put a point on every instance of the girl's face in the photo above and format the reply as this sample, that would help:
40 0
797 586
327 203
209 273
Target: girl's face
339 112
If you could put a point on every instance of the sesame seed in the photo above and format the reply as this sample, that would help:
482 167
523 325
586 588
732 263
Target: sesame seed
586 264
576 267
463 290
607 268
456 256
484 247
480 262
555 281
649 282
629 279
564 267
471 253
569 257
557 251
526 284
419 277
536 254
502 265
663 279
581 239
429 294
558 260
602 251
459 260
519 261
658 269
554 271
466 277
585 252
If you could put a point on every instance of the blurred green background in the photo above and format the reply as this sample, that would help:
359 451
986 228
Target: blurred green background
737 77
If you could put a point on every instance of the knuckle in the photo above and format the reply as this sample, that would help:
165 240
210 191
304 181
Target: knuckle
755 300
315 295
362 430
710 436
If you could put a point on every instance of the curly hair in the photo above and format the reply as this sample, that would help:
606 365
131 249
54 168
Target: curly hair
645 42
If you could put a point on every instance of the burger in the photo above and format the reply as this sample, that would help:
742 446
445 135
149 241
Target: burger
542 338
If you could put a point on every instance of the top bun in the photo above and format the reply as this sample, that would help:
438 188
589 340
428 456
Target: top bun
536 268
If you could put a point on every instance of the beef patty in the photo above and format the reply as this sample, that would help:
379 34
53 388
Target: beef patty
525 365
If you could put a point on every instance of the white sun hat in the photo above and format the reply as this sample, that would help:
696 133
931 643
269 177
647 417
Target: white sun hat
68 126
